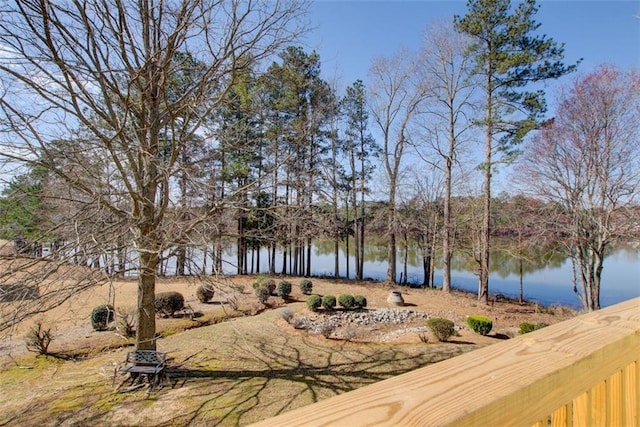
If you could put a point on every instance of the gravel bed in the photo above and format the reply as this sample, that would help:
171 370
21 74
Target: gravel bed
318 322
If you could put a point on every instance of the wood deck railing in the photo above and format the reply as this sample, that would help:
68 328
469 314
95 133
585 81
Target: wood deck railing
581 372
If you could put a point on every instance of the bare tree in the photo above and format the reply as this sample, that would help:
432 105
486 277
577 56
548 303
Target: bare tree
587 163
394 98
105 67
447 70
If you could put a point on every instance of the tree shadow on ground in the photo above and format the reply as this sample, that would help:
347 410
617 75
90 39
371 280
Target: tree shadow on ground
234 373
271 376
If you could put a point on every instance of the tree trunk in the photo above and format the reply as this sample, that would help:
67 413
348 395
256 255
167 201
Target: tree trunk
391 230
483 279
146 314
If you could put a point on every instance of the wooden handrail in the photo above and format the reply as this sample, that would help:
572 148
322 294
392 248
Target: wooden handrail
583 371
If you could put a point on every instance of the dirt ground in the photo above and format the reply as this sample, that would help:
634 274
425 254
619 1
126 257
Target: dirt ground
70 322
232 360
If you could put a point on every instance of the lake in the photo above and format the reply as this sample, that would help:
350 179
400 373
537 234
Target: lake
551 284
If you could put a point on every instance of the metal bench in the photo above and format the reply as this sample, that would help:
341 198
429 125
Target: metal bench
145 362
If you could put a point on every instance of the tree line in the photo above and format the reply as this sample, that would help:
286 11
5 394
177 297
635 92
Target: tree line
147 132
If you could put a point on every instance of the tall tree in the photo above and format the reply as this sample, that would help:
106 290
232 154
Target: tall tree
240 145
360 149
106 67
447 70
509 56
300 102
587 163
394 99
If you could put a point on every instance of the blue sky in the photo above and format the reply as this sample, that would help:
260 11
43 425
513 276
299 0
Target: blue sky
348 34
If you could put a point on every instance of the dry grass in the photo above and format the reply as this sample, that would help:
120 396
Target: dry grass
231 372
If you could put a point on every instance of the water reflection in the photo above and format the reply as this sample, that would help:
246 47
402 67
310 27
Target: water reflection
546 273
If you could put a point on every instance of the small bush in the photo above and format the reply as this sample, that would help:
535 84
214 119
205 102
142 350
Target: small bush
284 289
101 316
264 281
167 303
306 287
204 293
328 302
326 330
126 321
527 327
39 338
287 315
480 324
361 301
347 301
314 302
271 284
442 329
263 292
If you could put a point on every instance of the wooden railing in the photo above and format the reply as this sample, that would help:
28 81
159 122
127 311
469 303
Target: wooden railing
581 372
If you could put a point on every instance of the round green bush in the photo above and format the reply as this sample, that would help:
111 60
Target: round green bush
347 301
306 287
480 324
265 281
204 293
314 302
442 329
284 289
527 327
361 301
167 303
263 292
101 316
328 302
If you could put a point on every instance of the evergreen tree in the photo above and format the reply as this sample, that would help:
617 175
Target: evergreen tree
359 147
509 57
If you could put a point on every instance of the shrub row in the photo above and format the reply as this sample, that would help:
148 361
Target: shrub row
265 287
328 302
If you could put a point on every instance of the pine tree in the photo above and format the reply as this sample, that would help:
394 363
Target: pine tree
509 56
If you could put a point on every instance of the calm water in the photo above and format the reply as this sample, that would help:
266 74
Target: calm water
547 283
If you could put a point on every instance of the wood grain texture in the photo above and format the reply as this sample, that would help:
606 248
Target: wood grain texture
515 382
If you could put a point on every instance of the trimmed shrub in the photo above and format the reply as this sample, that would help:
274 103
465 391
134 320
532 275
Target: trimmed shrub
263 292
347 301
284 289
314 302
480 324
306 287
442 329
361 301
527 327
167 303
265 281
328 302
204 293
101 316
